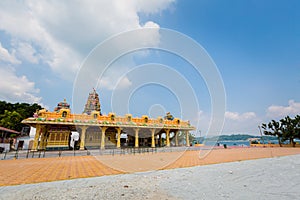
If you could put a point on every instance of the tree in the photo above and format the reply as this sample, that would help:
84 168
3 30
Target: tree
285 129
273 128
297 128
11 115
289 127
11 120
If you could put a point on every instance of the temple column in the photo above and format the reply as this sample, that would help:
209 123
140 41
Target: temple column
152 138
168 137
46 137
43 142
136 137
36 137
82 139
176 138
187 139
103 129
119 137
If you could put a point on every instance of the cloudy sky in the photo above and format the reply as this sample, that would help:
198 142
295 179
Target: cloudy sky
254 44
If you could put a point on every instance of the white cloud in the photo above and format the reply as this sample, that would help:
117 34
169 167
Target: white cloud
6 56
15 88
293 108
26 52
241 123
151 7
19 20
239 117
124 83
60 34
235 123
110 84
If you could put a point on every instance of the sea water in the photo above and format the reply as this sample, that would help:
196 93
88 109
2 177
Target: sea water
238 143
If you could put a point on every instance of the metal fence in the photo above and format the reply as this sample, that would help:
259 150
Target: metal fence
25 154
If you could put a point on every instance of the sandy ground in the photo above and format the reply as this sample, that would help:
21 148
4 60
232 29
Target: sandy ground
269 178
170 160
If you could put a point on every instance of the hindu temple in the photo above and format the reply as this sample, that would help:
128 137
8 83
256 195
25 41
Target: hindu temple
62 129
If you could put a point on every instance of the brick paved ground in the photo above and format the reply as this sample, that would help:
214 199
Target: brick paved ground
37 170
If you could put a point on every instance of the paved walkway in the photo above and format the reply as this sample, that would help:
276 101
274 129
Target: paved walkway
24 171
35 170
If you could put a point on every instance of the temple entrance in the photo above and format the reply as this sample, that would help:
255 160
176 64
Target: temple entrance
58 138
93 137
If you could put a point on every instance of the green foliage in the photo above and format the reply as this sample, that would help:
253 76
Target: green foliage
284 129
11 115
9 119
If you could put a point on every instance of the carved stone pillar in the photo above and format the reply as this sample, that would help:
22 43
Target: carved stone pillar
136 137
82 139
119 137
103 129
176 138
168 137
152 138
187 138
37 137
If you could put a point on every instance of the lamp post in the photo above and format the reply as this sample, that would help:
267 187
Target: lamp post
199 136
261 135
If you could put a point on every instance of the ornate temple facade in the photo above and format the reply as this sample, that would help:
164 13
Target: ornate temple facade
59 129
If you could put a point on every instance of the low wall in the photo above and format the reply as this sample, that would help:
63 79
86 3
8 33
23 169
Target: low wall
273 145
5 146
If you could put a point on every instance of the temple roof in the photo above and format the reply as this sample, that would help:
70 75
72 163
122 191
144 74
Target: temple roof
2 129
92 116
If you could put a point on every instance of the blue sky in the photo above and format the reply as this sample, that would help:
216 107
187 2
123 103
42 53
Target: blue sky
254 44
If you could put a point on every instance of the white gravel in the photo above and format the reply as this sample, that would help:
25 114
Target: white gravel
272 178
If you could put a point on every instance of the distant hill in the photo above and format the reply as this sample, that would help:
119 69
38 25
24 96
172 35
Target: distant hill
234 137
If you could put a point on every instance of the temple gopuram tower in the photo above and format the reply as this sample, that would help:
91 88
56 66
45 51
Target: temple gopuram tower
93 103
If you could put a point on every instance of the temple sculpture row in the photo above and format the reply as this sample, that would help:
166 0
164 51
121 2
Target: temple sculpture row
61 129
